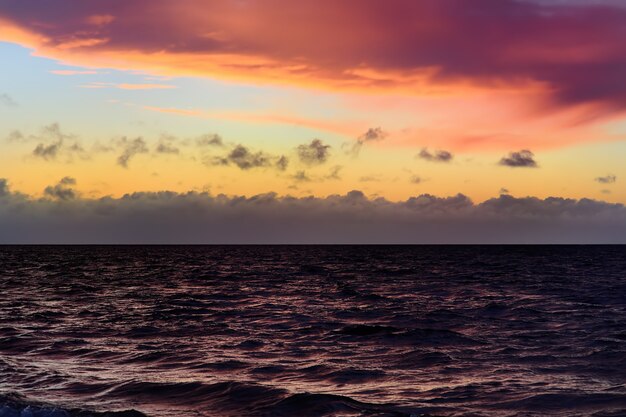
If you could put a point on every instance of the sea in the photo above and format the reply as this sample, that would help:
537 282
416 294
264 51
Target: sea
306 331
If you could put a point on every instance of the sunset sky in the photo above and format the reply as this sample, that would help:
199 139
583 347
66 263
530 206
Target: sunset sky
488 99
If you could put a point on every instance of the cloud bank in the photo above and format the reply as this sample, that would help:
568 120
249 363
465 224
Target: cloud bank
168 217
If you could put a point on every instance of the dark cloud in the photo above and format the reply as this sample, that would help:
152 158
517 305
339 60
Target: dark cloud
62 190
210 140
521 159
245 159
313 153
437 156
371 135
168 217
504 191
7 100
167 148
609 179
334 173
15 136
415 180
4 187
282 163
130 148
47 152
301 176
53 142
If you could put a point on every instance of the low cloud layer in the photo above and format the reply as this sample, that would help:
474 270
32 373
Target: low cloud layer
521 159
168 217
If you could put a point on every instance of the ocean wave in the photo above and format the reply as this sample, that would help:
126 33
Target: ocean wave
313 331
14 405
220 399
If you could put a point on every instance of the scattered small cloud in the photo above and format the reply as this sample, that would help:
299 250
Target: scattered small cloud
166 148
314 153
131 147
245 159
504 191
370 178
609 179
416 179
52 143
301 176
7 100
62 190
282 163
210 140
521 159
334 173
372 135
436 156
47 152
167 145
15 136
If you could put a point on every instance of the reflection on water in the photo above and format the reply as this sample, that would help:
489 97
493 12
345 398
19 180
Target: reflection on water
314 331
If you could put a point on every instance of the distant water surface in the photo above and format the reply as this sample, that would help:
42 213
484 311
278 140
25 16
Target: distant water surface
313 331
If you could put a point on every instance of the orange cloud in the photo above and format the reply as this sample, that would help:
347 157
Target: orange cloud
422 47
343 128
100 19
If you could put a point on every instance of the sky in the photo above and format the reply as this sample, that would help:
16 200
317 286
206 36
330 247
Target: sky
274 121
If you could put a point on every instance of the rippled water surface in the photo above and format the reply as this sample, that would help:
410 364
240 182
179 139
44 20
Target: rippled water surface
313 331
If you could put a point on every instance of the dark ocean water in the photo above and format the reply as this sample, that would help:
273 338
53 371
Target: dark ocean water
313 331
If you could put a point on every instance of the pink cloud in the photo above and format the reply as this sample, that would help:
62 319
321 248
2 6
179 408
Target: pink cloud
126 86
144 86
576 53
340 127
72 72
